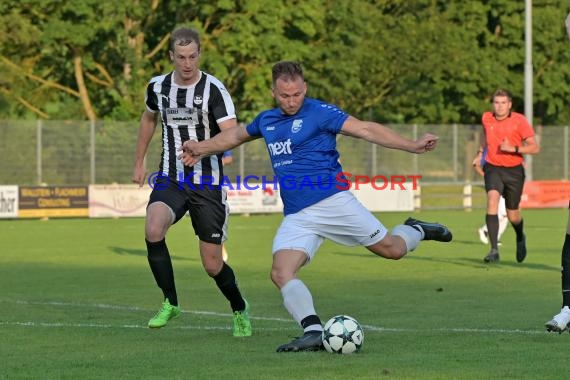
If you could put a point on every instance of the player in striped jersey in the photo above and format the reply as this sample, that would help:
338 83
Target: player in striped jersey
190 104
227 159
561 321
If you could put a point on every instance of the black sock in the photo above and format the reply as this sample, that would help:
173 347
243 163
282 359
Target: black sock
310 320
226 281
161 266
492 222
519 230
566 272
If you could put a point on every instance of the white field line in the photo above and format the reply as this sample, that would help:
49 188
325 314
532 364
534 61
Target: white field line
198 327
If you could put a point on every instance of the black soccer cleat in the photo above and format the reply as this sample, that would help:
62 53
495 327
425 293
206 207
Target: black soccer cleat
432 231
492 256
310 341
521 250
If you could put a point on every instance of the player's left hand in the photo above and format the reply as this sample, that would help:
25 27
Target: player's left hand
506 147
427 143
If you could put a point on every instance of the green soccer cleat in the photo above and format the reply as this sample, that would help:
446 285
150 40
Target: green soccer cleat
242 324
165 314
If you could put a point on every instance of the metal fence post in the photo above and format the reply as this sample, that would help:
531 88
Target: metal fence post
415 156
418 198
374 167
39 151
455 154
566 152
241 161
467 197
92 153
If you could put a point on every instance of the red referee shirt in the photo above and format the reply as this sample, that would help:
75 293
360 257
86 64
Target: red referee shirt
514 128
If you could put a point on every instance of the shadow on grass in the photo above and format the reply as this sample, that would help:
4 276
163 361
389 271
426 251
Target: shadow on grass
469 242
142 252
478 263
461 261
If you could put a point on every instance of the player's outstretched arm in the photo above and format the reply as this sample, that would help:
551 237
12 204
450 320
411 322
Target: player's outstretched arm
192 151
381 135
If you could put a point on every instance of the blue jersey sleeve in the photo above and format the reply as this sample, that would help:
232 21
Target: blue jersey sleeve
254 129
332 118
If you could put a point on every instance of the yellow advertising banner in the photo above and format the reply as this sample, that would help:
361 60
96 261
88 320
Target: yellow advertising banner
53 201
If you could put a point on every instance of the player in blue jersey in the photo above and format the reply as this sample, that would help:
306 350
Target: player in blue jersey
301 140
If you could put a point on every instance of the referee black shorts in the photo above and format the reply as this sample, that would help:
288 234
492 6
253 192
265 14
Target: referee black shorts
206 204
508 181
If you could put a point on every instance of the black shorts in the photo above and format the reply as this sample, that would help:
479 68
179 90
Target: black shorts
206 205
509 182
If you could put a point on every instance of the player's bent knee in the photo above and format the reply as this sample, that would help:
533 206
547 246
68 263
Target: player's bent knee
155 229
275 277
394 254
154 232
279 278
212 269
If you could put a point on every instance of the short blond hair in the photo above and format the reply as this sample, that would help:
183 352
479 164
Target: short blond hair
184 36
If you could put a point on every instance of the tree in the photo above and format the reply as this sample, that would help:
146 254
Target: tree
426 61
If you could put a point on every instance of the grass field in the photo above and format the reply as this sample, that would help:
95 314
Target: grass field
76 295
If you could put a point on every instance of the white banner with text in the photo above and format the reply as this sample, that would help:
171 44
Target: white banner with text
8 202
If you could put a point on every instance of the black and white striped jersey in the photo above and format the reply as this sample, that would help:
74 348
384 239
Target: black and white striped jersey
189 113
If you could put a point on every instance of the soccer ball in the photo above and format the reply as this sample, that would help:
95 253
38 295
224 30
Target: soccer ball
342 335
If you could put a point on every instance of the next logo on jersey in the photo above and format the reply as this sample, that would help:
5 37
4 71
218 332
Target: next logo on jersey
280 147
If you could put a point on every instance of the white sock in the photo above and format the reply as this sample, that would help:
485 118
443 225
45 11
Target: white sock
411 236
503 224
299 302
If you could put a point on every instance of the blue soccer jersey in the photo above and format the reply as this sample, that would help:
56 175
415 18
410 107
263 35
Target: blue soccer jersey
303 151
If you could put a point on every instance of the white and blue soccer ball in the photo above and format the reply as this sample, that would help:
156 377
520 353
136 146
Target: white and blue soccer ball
342 335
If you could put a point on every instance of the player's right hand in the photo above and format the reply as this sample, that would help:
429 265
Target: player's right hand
139 175
477 166
189 155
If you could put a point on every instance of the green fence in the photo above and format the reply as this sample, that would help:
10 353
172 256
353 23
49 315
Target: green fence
80 153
